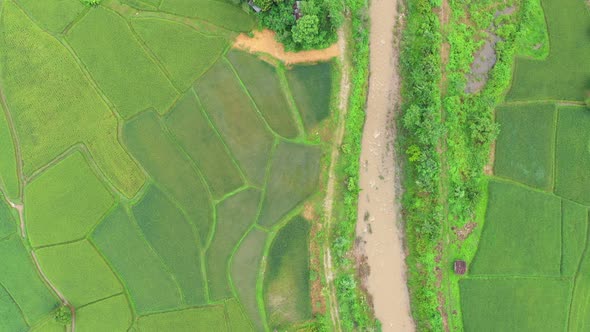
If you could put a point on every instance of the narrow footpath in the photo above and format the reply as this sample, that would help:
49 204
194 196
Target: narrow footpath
379 230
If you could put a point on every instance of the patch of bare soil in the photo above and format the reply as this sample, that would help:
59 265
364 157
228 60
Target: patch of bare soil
380 251
264 42
485 59
488 169
463 233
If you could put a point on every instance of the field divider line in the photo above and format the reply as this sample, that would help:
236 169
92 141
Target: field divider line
221 139
100 300
561 238
146 50
130 303
585 254
244 187
138 229
52 245
201 177
247 92
514 276
252 226
79 18
555 139
260 279
295 113
86 72
557 102
22 313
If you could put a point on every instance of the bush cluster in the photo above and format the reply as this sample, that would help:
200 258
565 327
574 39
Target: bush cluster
91 2
421 132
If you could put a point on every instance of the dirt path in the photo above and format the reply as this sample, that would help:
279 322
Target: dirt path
329 200
264 42
72 327
379 223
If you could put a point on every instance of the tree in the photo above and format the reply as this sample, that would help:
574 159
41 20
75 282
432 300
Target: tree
305 32
63 315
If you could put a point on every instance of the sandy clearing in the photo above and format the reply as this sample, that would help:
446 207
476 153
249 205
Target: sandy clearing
264 42
379 231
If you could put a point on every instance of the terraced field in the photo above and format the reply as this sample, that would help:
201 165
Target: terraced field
160 175
530 272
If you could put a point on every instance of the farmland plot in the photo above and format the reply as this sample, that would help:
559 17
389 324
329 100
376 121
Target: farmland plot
159 169
530 272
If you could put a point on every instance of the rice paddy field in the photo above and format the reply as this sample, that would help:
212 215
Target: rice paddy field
531 268
152 178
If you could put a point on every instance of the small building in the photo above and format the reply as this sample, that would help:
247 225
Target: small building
256 8
460 267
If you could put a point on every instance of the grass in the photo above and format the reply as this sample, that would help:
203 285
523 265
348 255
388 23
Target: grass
92 317
263 84
286 278
294 175
150 286
11 318
533 38
522 233
220 13
49 325
210 318
245 268
9 181
184 52
173 239
65 202
526 156
563 75
191 128
116 60
575 230
237 319
225 101
79 272
158 154
51 117
53 16
311 86
514 304
235 215
573 154
23 283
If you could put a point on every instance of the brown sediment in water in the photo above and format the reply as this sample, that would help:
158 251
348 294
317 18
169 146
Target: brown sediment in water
379 229
264 42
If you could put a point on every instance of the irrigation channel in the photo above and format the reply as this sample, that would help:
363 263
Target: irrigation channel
379 230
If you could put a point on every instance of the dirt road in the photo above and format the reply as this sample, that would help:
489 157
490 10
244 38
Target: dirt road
379 219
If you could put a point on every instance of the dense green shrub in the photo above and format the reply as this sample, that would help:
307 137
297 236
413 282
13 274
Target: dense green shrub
421 132
317 28
63 315
91 2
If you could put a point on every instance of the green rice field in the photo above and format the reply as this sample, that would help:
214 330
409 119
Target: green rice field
152 178
532 265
